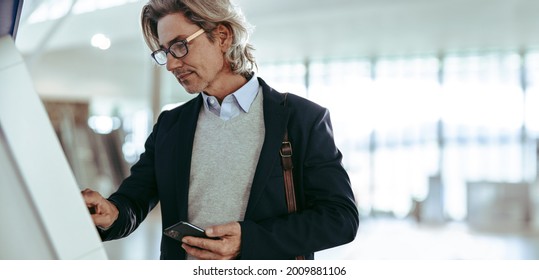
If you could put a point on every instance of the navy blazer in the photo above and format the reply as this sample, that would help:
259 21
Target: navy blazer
328 215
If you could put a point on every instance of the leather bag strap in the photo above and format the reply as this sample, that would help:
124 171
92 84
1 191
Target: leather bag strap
286 160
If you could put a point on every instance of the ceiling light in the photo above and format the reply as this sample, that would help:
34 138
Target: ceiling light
104 124
100 41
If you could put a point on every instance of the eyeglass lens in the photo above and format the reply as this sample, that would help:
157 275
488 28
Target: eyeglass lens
178 50
160 57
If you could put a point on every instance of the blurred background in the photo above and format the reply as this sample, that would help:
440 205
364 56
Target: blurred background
435 106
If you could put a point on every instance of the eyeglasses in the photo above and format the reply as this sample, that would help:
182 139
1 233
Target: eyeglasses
177 50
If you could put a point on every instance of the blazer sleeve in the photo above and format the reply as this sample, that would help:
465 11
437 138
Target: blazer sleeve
328 214
137 195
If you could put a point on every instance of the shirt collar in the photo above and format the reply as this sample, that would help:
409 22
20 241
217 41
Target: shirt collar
244 95
247 93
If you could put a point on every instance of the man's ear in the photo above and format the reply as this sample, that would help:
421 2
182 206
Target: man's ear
224 36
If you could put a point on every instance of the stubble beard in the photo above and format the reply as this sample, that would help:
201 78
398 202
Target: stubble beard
190 86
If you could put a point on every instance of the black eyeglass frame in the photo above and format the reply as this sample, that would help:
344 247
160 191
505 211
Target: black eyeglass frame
168 50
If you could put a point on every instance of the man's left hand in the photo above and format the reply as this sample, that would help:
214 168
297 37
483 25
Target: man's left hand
227 247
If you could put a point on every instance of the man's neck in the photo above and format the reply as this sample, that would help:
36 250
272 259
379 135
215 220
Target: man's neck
226 86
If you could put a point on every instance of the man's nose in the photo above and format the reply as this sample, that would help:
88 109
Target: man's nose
173 63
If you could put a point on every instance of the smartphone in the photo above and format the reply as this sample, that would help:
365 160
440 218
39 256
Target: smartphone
181 229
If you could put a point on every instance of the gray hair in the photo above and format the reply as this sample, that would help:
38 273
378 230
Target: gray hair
207 14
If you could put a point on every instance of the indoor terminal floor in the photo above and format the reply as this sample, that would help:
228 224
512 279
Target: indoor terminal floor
377 239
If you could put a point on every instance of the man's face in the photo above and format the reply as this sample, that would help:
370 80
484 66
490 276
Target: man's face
203 66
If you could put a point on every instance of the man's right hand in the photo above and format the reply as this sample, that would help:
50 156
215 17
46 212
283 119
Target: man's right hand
105 212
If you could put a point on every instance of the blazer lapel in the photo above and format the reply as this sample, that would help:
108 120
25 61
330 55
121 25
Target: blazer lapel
275 118
185 127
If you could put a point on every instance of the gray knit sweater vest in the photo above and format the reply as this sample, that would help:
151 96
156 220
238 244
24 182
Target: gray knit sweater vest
223 164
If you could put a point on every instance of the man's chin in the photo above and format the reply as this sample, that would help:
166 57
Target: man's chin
189 88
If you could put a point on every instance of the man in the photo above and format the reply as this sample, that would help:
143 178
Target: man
215 160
